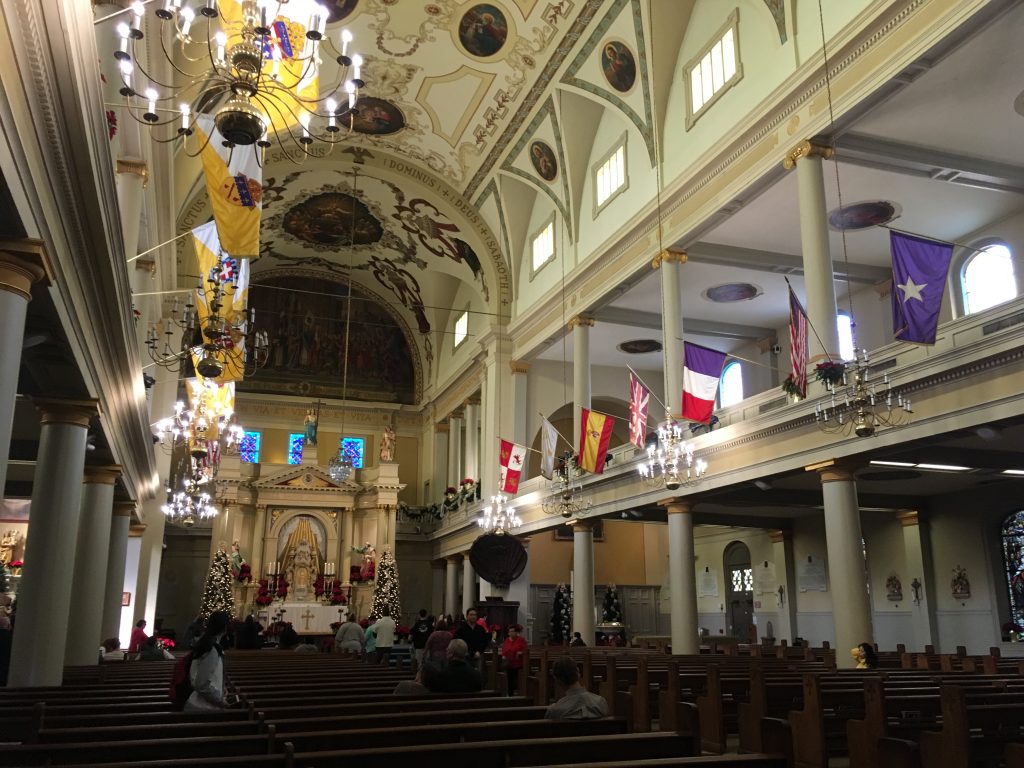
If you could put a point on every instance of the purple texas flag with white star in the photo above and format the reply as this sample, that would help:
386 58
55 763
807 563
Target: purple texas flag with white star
919 268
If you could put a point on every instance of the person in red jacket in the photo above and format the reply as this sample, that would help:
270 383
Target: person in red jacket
512 652
138 637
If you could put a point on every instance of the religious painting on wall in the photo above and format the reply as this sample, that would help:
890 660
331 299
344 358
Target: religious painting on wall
543 159
329 219
306 325
377 117
618 65
483 30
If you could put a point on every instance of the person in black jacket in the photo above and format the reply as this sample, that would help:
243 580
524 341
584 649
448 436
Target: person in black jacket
476 637
457 677
420 632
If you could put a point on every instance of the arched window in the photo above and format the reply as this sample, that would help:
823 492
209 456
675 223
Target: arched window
730 386
987 278
1013 566
844 324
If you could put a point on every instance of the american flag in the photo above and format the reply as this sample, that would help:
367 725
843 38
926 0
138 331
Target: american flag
797 343
639 403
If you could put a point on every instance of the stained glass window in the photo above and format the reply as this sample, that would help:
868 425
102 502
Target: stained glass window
353 448
249 448
295 442
1013 563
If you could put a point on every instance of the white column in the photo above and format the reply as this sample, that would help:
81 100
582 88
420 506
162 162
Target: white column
436 588
455 449
496 417
580 327
117 553
44 596
151 553
919 570
851 606
583 581
16 278
682 578
439 480
670 263
259 531
520 417
470 596
819 281
782 556
471 460
347 525
451 585
89 576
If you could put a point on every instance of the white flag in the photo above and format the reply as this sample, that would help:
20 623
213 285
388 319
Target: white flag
548 442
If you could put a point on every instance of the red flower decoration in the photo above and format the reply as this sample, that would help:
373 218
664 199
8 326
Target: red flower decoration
15 564
111 124
244 574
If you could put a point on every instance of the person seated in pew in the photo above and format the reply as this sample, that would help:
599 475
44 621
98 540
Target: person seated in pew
111 650
577 641
152 650
865 656
575 702
458 676
206 671
350 636
435 652
412 687
248 635
288 640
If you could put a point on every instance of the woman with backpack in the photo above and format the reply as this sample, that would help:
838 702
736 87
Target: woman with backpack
206 671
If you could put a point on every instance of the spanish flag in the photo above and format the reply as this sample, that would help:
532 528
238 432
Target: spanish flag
595 434
234 182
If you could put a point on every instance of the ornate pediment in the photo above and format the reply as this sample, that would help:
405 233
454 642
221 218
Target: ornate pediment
304 478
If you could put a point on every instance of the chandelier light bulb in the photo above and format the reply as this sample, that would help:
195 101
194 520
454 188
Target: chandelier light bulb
346 38
187 15
332 108
137 10
357 62
222 41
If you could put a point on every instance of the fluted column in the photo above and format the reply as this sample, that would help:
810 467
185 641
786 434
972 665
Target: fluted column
580 327
44 596
851 604
347 525
451 585
439 480
583 581
670 263
454 448
682 578
819 281
117 553
471 462
18 271
85 618
470 596
919 572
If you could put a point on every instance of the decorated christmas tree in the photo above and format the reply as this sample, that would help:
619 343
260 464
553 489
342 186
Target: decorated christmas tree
561 615
385 593
612 609
217 592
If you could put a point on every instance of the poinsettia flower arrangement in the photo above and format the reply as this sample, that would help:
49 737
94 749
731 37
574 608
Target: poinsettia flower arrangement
263 596
790 387
318 586
338 595
282 588
244 575
830 372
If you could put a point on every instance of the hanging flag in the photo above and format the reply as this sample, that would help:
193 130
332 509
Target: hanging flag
512 457
234 183
639 403
548 444
919 268
595 434
702 370
797 343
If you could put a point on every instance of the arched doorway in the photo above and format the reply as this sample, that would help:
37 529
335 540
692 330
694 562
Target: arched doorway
739 585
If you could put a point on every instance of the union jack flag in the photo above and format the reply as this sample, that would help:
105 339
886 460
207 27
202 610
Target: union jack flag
639 403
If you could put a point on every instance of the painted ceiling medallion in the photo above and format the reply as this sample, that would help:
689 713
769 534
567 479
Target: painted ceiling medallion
618 65
639 346
543 159
483 30
377 117
730 292
326 219
862 215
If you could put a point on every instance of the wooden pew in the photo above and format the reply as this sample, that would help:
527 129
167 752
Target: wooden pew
970 733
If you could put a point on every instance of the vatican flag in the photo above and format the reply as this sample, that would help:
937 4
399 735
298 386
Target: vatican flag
291 63
234 182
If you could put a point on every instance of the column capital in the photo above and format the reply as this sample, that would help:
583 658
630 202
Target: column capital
474 401
582 526
776 536
453 559
678 505
519 366
457 413
76 412
465 556
583 321
679 257
441 428
134 167
124 507
907 517
22 263
102 475
136 530
806 148
833 471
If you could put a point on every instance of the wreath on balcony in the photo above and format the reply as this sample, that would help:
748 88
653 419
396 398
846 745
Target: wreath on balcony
830 372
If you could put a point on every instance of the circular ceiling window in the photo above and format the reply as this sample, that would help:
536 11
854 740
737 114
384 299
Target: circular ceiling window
730 292
863 215
639 346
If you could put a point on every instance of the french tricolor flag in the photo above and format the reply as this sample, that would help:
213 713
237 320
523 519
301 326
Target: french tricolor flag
701 373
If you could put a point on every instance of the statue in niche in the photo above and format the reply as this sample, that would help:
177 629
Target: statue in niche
8 544
302 561
311 422
387 445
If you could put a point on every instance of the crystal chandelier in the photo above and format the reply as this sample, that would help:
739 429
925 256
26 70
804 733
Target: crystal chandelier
566 493
671 461
498 518
190 502
255 70
340 467
859 405
203 431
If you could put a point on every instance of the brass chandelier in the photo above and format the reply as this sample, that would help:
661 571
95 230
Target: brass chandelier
671 461
858 404
565 497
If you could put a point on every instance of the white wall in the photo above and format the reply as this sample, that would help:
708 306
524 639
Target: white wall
131 575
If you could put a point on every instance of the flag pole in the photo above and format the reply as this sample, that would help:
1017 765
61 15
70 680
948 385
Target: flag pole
502 439
811 326
161 245
648 388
